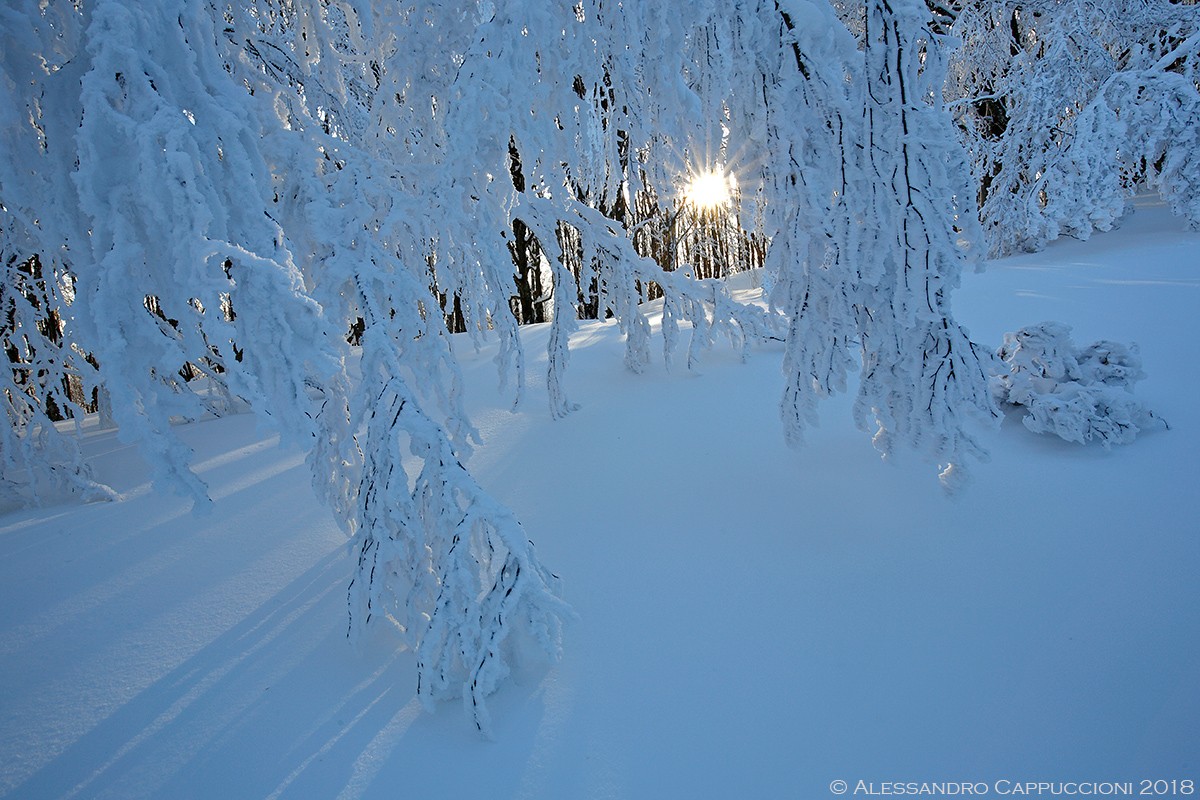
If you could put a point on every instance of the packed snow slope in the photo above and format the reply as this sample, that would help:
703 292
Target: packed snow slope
753 621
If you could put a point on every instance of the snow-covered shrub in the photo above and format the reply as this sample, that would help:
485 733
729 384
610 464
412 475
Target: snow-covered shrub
1080 395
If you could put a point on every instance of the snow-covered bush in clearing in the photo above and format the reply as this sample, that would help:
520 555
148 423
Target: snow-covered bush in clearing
1079 395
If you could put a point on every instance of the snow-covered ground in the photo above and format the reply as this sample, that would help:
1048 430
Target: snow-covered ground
753 621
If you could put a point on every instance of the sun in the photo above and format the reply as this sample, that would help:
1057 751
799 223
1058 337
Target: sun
709 190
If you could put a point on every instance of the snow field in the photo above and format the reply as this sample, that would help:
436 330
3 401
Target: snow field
753 621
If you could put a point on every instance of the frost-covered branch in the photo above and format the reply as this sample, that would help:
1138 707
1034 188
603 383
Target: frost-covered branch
249 188
211 213
1071 107
919 211
43 383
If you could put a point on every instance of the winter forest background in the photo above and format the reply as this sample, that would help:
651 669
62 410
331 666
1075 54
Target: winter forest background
321 211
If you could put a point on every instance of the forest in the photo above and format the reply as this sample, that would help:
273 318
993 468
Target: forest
311 209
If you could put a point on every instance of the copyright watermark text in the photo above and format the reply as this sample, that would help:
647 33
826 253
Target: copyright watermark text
1014 788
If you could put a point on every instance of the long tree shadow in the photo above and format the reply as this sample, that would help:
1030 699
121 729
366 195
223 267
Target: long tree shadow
286 664
157 654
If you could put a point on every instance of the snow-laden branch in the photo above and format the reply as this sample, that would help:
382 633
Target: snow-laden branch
249 188
1074 107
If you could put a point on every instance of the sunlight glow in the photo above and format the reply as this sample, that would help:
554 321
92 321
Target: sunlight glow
709 190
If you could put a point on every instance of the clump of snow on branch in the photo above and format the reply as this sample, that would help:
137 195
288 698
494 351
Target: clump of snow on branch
1081 395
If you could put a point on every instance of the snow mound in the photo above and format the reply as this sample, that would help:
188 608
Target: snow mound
1081 395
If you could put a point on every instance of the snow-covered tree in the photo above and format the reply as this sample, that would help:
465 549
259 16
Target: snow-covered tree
248 187
191 153
43 381
921 233
871 220
1069 107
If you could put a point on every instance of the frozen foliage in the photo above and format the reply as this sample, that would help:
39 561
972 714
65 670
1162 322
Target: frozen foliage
1080 395
864 255
138 644
437 556
177 152
1069 107
36 388
294 197
597 120
36 334
920 215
